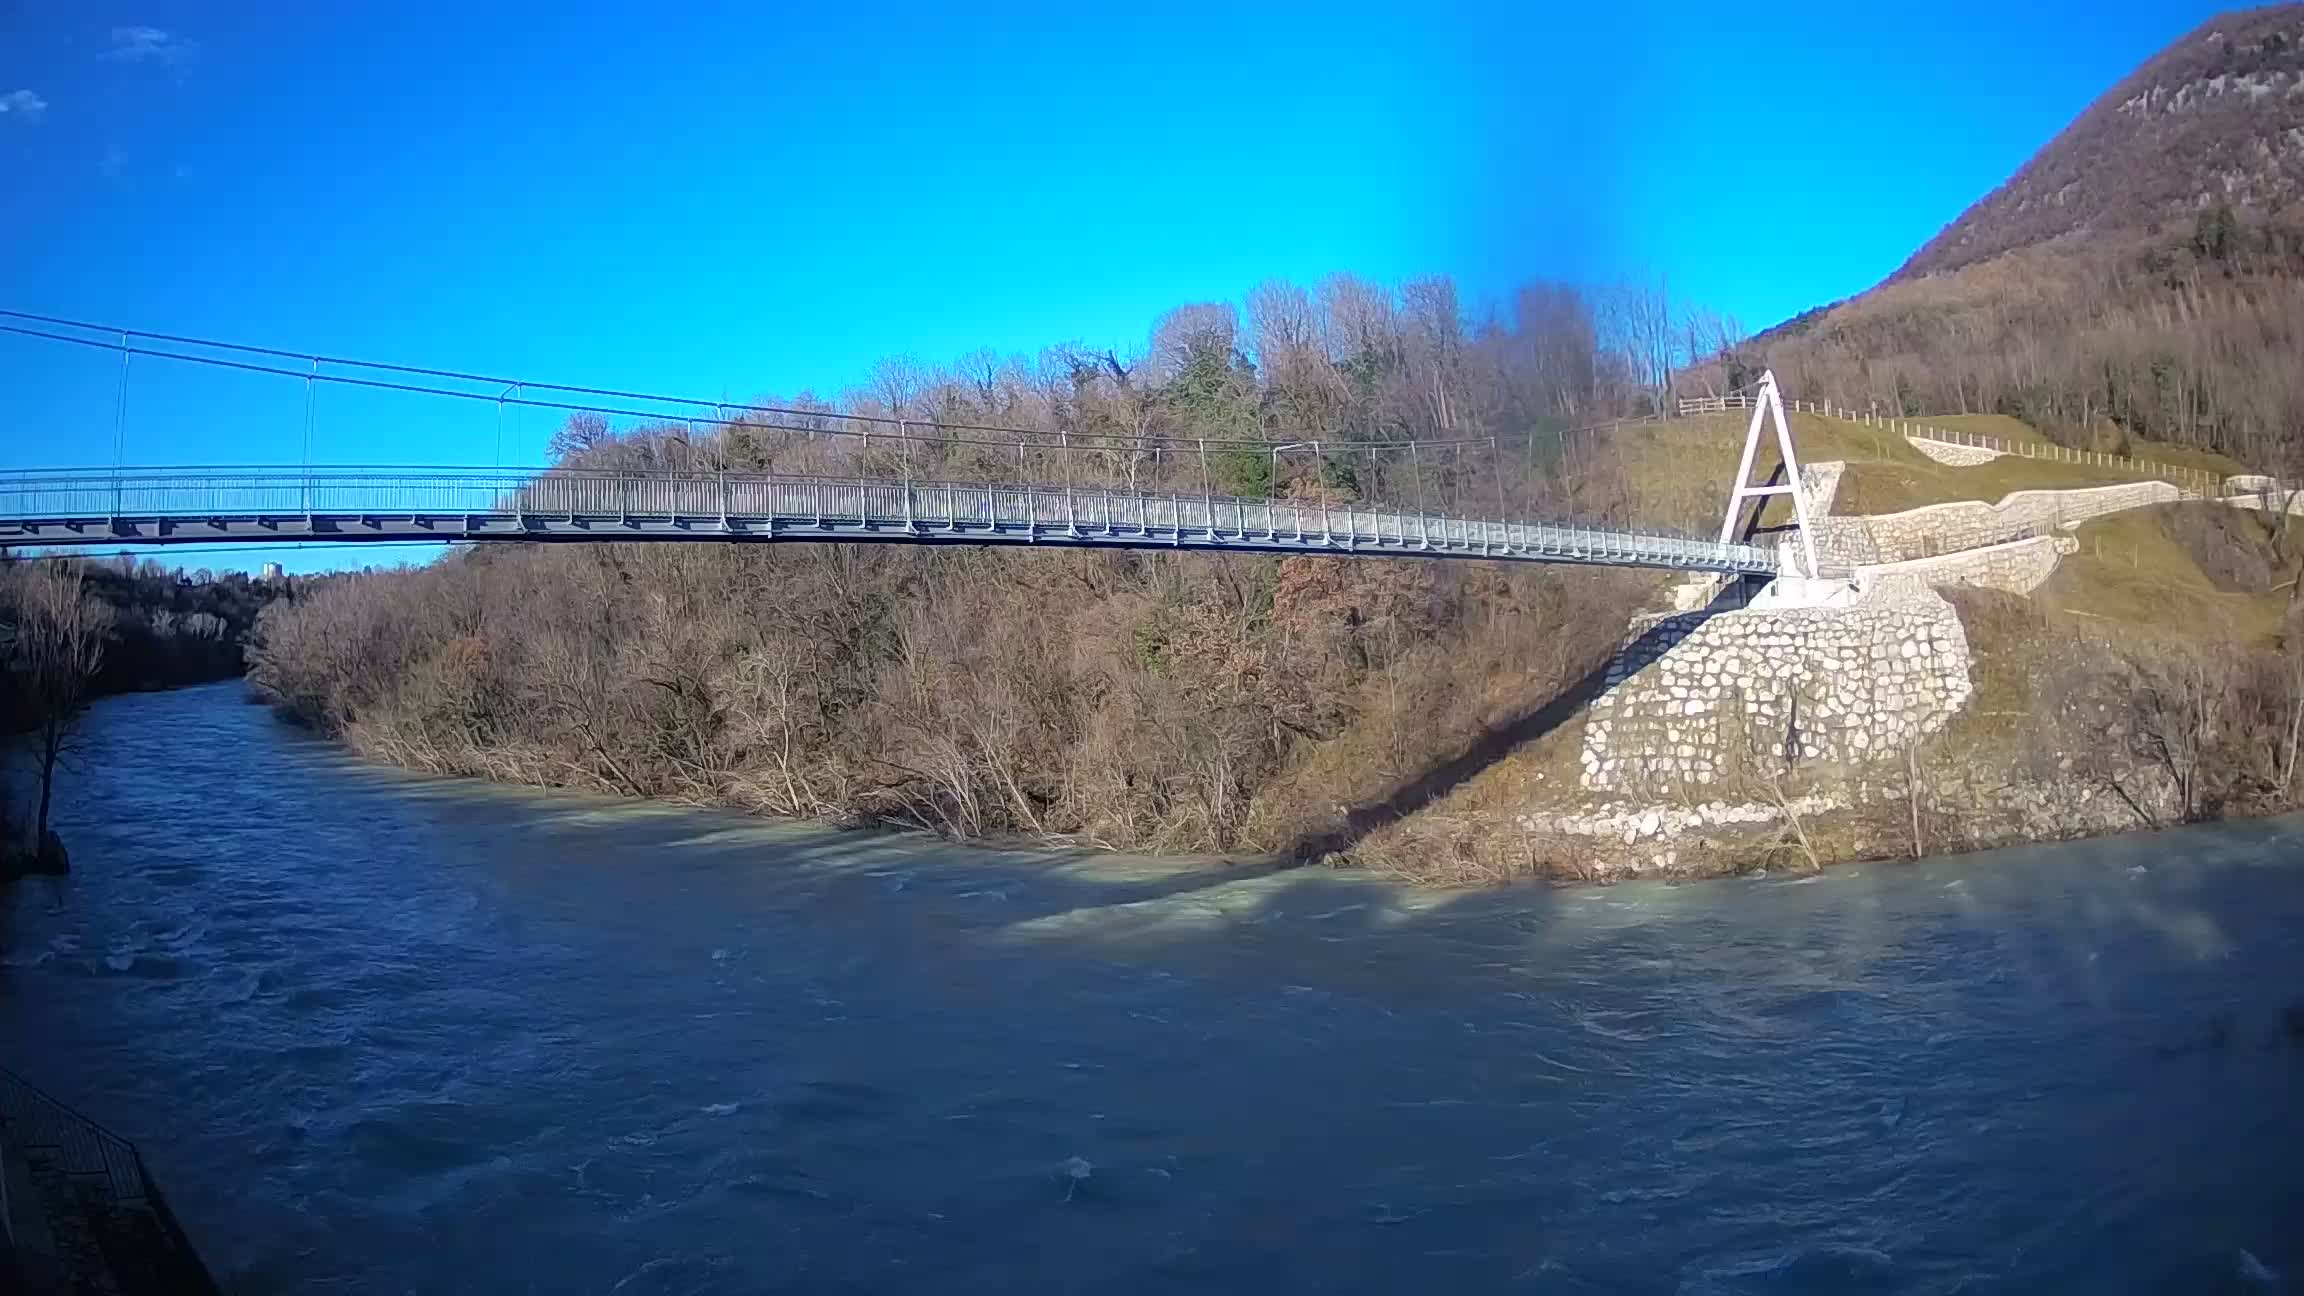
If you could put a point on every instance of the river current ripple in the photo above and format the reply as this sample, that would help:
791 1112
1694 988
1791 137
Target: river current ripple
382 1033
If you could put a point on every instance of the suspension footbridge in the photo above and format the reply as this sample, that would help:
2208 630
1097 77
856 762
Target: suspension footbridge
1020 487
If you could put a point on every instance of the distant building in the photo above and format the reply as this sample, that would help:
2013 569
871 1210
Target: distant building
272 572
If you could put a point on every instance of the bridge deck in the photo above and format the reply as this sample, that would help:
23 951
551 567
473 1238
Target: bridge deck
174 506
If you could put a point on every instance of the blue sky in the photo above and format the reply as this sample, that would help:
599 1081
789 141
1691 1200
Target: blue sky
725 198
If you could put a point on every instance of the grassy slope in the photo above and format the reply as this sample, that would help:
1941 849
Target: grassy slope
1681 468
2145 569
2196 574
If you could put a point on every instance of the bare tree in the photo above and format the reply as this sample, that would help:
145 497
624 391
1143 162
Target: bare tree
2176 712
1358 321
1436 330
59 645
583 433
1638 318
1201 332
1913 794
2294 678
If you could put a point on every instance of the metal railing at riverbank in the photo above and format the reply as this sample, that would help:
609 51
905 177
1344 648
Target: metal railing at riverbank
93 1189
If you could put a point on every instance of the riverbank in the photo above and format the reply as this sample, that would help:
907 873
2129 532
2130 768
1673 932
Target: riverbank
72 630
2049 727
1173 704
168 628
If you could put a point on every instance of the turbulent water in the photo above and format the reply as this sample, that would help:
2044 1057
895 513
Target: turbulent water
392 1034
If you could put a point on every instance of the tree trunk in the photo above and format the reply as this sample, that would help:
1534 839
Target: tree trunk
2295 726
1912 795
51 743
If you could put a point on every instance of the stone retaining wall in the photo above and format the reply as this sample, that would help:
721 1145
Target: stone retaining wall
1700 698
1821 481
1934 529
2018 567
1633 824
1953 453
2251 491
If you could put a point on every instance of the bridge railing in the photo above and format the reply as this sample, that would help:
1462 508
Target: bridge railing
94 1162
740 501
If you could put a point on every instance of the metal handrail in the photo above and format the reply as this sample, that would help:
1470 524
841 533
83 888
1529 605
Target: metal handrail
795 503
83 1149
85 1152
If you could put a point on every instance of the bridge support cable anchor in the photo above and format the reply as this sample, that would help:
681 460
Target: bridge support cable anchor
120 430
1071 518
1423 519
1496 471
1031 499
312 374
1207 491
904 442
1319 473
510 389
1768 407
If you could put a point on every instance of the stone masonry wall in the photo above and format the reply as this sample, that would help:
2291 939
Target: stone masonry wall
1707 696
2252 491
1968 524
1821 483
1953 453
1701 698
2018 567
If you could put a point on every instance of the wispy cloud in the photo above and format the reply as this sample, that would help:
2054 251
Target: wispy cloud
150 45
23 106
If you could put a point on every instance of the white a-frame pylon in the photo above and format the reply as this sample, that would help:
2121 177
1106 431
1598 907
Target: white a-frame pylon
1767 405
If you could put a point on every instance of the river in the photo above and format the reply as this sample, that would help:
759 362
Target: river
384 1033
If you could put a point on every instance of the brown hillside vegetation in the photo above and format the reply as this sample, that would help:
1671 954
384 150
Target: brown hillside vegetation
1178 702
2141 278
2216 118
1200 702
2102 345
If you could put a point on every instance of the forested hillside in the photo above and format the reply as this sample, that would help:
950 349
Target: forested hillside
2213 122
2142 276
